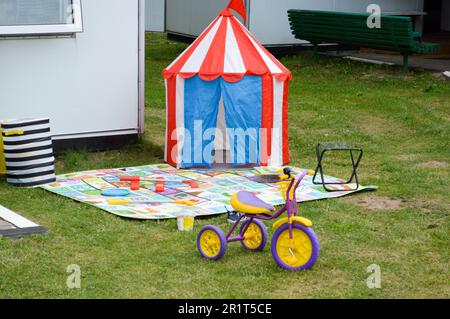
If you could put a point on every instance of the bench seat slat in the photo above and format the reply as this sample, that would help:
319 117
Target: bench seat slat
341 21
426 47
394 40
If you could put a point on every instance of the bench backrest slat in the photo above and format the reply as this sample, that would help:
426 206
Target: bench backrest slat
396 33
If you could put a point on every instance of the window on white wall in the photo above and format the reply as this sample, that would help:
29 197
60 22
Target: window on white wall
40 17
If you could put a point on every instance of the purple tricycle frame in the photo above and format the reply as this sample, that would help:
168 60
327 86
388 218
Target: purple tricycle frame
212 242
290 207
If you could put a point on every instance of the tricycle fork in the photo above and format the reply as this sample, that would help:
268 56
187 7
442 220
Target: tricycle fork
291 233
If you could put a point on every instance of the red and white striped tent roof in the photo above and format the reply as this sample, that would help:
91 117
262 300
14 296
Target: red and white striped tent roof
226 49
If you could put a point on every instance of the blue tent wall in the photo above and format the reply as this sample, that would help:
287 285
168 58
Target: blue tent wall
243 107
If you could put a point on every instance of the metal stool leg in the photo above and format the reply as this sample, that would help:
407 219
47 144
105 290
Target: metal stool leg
320 152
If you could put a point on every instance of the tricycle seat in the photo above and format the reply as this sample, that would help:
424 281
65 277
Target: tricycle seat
248 203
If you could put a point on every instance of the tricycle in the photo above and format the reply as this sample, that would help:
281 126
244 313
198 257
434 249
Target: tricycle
295 245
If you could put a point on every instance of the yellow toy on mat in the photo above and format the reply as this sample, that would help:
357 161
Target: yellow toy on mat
119 202
184 202
128 202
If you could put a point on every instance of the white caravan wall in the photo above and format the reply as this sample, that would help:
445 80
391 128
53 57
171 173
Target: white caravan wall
193 16
88 83
268 19
154 15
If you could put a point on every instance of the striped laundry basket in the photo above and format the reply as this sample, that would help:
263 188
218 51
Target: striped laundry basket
28 152
2 157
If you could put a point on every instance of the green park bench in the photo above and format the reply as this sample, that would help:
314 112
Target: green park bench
396 33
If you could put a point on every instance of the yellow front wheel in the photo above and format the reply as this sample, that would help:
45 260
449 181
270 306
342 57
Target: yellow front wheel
299 253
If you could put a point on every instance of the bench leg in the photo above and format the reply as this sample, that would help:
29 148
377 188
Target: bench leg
314 53
405 63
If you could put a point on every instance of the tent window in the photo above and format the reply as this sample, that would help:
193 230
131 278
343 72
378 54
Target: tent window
40 17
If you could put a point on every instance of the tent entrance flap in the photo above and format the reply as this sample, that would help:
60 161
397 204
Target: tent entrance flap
201 109
222 118
243 110
222 141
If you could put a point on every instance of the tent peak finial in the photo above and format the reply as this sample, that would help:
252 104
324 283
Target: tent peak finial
226 13
239 7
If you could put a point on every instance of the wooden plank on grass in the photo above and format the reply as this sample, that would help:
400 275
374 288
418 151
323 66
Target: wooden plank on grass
15 219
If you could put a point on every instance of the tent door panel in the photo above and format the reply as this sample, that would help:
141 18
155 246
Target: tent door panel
201 108
243 113
222 141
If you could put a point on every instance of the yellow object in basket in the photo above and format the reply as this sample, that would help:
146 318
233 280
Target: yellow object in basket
15 132
2 156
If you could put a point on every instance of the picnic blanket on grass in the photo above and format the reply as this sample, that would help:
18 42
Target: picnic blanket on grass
212 197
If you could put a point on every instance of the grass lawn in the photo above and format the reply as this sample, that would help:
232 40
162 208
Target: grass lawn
403 124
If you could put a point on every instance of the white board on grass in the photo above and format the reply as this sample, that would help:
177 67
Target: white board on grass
15 219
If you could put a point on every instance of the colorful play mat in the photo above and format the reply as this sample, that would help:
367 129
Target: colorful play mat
207 191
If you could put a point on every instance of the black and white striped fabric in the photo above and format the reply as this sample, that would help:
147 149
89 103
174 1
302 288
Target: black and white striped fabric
28 152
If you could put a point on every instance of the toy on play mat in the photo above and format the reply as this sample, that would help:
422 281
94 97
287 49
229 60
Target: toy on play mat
295 245
270 175
134 180
266 178
115 192
135 183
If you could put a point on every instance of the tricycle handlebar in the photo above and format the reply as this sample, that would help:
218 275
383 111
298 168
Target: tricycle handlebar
299 180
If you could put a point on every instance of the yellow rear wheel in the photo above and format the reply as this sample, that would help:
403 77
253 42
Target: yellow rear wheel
255 237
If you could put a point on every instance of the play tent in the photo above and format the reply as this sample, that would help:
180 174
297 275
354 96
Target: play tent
226 92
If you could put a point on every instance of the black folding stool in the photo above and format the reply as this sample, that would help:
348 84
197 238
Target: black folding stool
355 155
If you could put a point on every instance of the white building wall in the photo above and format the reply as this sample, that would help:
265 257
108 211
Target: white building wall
155 15
85 84
193 16
268 19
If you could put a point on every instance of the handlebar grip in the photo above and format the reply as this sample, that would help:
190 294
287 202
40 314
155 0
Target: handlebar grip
287 171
